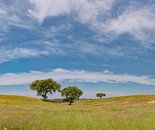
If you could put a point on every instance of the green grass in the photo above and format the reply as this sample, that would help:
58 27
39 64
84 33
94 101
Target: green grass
120 113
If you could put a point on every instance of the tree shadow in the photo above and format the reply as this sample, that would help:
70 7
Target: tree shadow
53 100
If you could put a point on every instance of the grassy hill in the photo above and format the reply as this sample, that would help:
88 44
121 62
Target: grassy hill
119 113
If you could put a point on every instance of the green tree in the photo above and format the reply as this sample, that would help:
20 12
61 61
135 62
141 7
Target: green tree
100 95
71 93
43 87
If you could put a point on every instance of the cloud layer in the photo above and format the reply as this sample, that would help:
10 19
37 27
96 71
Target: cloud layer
134 19
76 27
74 76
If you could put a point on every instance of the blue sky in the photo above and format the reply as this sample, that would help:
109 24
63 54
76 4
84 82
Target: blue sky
109 41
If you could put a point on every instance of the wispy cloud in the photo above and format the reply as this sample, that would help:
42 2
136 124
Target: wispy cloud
102 17
82 49
46 8
136 19
86 10
7 54
74 76
14 13
139 22
6 19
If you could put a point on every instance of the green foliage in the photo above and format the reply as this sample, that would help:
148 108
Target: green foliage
71 93
100 95
43 87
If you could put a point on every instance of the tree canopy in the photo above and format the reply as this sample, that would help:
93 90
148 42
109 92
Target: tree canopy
43 87
100 95
71 93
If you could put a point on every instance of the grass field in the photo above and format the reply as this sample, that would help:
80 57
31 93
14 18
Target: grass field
120 113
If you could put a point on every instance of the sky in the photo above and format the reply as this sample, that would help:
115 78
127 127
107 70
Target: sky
78 41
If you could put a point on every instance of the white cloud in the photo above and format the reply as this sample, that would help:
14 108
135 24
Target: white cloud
136 19
14 14
6 18
82 49
46 8
78 76
90 11
86 10
7 54
139 22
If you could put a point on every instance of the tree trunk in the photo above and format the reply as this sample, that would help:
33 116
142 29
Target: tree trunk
45 96
44 99
70 102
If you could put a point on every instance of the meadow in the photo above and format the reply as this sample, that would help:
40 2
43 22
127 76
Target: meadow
117 113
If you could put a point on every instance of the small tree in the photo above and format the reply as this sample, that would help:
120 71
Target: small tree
71 93
43 87
100 95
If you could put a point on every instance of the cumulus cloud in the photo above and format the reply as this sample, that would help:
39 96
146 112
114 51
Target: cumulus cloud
75 75
7 54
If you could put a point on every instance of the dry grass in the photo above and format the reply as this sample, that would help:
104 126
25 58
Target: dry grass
121 113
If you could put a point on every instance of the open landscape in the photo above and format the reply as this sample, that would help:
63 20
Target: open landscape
77 64
117 113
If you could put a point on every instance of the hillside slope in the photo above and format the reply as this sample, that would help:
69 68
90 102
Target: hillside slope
119 113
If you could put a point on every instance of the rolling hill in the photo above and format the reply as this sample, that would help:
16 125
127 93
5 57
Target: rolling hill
117 113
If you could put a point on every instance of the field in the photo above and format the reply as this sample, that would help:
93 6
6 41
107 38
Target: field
119 113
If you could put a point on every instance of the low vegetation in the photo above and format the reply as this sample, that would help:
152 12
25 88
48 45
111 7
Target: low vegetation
49 86
119 113
100 95
71 93
43 87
